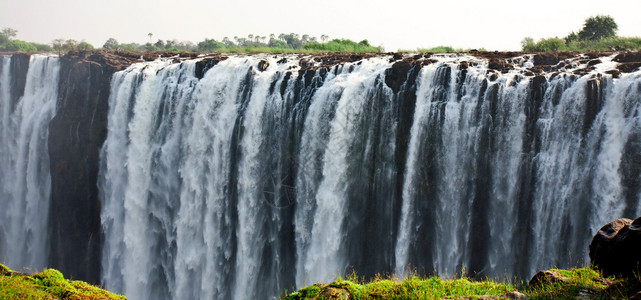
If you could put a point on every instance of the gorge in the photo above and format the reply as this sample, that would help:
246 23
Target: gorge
241 176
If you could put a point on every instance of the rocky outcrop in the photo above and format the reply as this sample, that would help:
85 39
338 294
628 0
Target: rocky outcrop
616 248
76 135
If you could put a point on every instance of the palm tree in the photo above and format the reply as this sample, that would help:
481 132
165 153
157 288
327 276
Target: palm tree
150 35
324 38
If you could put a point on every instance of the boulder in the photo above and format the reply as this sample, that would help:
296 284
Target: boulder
546 277
499 65
263 65
333 293
616 248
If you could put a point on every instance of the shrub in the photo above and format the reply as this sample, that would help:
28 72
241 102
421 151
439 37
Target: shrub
546 45
19 46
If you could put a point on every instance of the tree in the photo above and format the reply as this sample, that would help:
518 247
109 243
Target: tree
227 42
598 27
160 44
58 45
70 45
364 43
571 38
210 45
111 43
324 38
85 46
150 35
527 43
7 34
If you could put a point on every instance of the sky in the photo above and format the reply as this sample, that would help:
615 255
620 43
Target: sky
393 24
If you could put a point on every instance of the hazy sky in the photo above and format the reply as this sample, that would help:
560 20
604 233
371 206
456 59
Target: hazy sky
394 24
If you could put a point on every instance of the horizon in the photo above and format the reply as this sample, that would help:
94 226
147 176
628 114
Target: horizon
127 22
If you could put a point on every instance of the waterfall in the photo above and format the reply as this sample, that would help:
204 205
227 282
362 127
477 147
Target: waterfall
245 176
25 182
244 182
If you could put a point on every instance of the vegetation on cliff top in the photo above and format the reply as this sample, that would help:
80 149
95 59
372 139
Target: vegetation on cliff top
557 284
598 34
283 43
48 284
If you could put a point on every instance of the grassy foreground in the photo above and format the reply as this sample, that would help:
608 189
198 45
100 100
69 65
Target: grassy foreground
583 283
48 284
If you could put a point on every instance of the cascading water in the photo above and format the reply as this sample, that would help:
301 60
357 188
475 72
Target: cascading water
25 182
244 182
263 173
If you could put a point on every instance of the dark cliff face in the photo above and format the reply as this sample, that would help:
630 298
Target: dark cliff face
19 68
76 135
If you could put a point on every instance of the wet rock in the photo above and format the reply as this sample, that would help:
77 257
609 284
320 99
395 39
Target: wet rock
551 58
628 57
594 62
305 63
397 74
629 67
636 296
615 73
263 65
203 65
616 248
499 65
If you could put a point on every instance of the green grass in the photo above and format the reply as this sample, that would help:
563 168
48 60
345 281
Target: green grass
574 283
411 288
440 49
584 281
48 284
606 44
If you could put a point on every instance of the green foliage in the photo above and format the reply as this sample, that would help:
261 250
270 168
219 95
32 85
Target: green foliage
440 49
608 44
48 284
85 46
546 45
411 288
7 43
111 43
63 46
598 27
7 34
573 284
43 47
283 43
210 45
584 281
598 34
19 46
342 45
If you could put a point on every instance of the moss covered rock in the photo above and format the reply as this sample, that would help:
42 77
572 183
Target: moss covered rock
48 284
